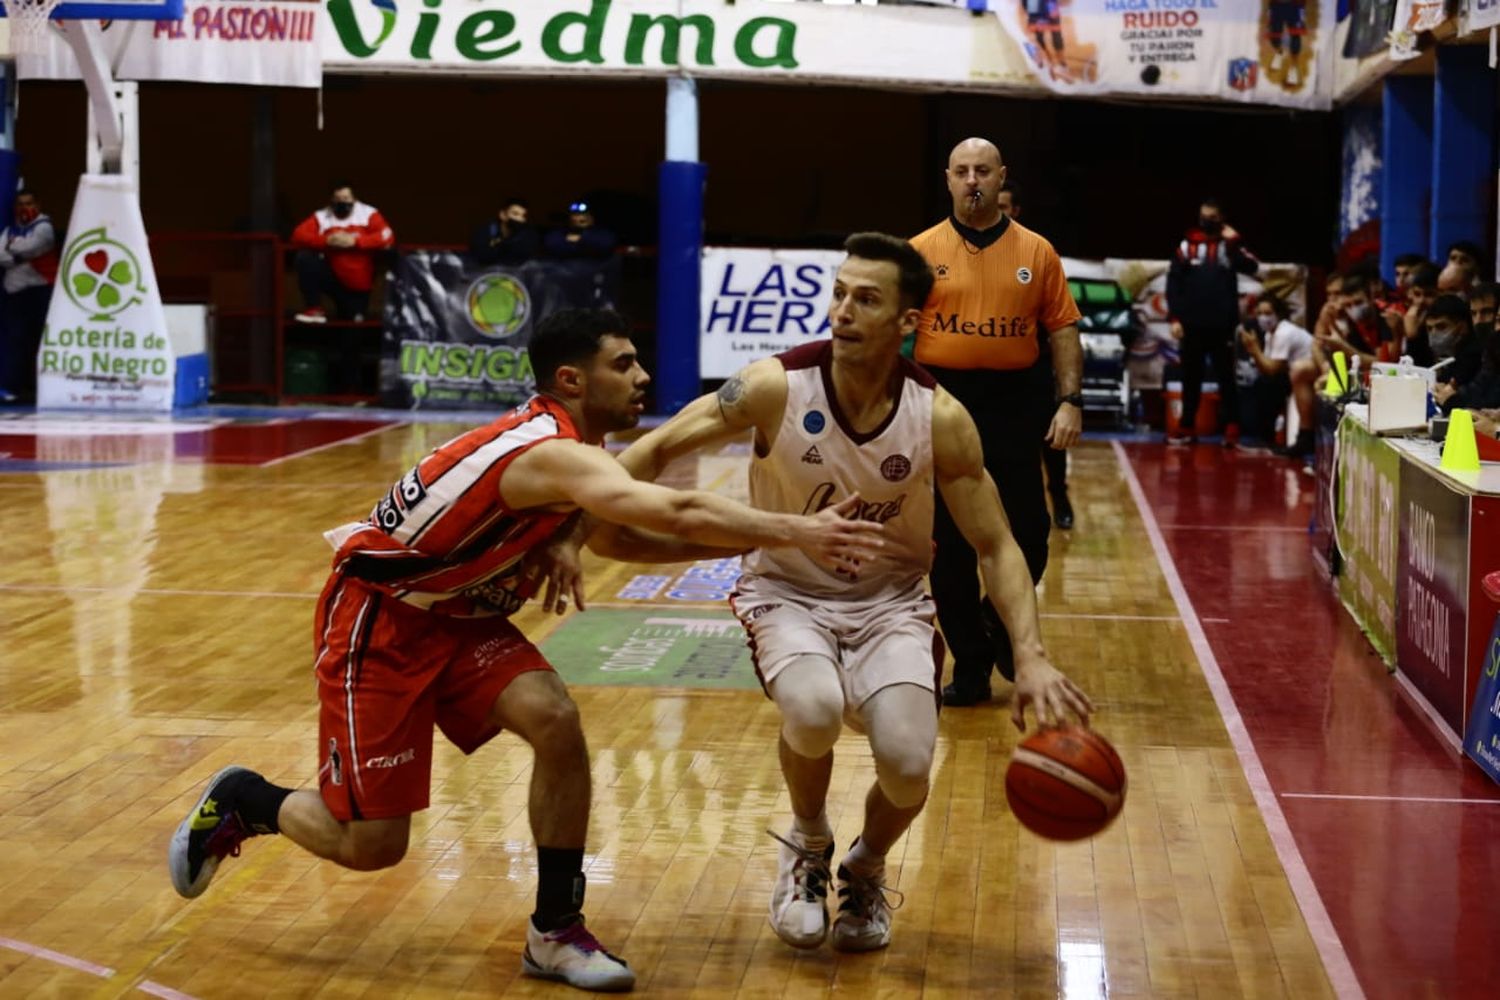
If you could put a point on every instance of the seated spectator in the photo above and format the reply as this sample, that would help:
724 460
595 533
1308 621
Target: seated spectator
1451 337
336 249
507 239
1394 305
1354 326
1286 368
1405 265
1466 259
1421 293
28 254
1483 298
582 238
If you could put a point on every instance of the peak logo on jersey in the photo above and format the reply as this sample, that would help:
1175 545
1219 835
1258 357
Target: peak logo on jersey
813 422
895 468
811 456
995 326
879 511
393 760
1023 275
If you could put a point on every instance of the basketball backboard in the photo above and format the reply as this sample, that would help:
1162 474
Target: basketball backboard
116 10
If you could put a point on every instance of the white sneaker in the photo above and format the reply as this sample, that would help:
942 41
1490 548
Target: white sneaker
1292 78
864 920
574 956
799 911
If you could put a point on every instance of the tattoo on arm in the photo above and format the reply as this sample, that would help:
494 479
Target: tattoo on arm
730 394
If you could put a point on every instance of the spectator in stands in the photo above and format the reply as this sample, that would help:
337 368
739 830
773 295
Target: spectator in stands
336 250
583 238
1450 335
1286 368
508 239
1483 299
1421 293
28 254
1405 265
1204 302
1352 326
1466 259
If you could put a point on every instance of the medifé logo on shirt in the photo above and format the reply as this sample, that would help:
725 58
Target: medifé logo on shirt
995 326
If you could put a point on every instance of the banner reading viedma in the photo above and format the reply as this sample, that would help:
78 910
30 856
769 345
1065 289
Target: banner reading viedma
105 345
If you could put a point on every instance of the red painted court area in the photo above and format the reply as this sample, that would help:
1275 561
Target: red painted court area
1397 830
61 442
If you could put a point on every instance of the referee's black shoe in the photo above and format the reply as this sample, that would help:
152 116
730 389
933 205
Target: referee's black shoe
958 695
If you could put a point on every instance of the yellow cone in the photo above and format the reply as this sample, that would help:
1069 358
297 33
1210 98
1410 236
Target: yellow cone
1460 453
1338 377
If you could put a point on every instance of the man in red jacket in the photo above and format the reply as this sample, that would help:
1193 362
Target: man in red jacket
336 249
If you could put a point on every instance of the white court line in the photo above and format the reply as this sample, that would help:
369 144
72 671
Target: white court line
1390 798
83 965
331 444
1325 937
1437 722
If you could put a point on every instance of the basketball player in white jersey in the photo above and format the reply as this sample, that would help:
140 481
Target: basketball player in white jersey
833 419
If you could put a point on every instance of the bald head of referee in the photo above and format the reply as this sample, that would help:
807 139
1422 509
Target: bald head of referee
975 175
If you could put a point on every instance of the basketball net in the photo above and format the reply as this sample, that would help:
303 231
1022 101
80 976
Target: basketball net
28 25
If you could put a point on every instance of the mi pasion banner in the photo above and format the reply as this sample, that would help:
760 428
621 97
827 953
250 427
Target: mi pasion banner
456 332
272 43
1253 51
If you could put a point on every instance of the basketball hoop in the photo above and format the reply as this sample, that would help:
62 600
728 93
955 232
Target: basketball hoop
28 25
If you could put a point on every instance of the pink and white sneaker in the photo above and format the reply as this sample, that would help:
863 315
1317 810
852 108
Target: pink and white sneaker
574 956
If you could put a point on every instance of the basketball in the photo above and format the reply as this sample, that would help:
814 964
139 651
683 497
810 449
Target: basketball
1065 784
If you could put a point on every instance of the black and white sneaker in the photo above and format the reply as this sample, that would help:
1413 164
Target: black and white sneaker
864 919
799 899
212 832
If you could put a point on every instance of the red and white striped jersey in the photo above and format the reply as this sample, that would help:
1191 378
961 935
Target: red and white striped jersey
442 538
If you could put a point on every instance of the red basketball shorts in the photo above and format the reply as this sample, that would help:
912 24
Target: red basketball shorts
387 673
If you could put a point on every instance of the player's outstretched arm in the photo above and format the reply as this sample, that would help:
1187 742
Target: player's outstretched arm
565 473
752 399
975 505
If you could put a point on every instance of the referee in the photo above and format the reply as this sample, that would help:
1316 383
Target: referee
997 284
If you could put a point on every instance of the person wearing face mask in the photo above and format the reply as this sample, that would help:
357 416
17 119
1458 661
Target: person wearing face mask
508 239
28 254
1286 367
336 248
1356 328
1203 304
1451 335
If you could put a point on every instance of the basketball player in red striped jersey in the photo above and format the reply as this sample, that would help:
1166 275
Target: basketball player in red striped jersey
834 645
412 630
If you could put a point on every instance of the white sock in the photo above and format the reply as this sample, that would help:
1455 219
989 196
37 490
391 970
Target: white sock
864 861
816 828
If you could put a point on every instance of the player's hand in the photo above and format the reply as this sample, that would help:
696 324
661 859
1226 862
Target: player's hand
837 539
1443 391
559 566
1067 425
1229 232
1049 691
1176 330
1248 339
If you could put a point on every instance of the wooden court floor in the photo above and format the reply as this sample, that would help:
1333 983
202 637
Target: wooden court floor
156 619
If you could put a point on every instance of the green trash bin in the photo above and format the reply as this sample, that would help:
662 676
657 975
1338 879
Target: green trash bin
306 373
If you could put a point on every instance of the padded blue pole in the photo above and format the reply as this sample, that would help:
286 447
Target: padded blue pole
1406 169
1463 147
680 189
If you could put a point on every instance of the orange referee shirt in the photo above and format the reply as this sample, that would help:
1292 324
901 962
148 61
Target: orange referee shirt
986 304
